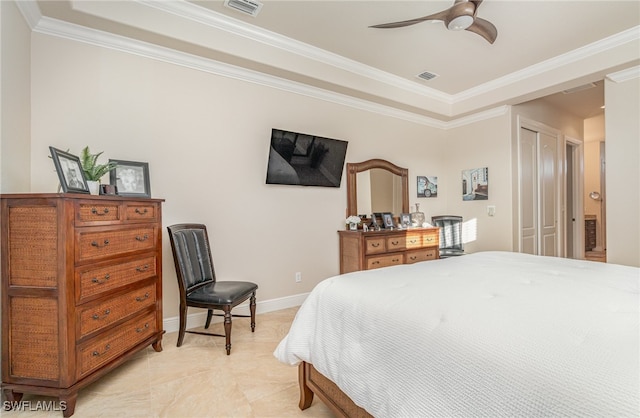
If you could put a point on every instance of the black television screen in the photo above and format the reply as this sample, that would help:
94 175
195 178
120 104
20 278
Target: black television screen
305 160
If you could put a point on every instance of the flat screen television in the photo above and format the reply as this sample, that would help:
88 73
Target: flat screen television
305 160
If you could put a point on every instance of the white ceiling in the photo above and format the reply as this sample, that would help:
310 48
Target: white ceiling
542 47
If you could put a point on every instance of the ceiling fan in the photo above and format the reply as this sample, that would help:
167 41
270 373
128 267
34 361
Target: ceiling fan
460 16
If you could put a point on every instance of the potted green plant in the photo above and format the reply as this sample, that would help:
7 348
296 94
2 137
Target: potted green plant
93 171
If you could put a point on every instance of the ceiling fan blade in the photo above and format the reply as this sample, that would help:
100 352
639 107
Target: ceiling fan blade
485 29
436 16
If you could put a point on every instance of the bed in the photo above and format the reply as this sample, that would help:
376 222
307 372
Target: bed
488 334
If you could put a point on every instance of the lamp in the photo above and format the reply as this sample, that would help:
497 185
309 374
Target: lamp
460 22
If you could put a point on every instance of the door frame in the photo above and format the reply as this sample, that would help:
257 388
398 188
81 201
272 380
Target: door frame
539 127
577 194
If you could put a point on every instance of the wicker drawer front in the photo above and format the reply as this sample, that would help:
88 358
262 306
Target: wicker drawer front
420 255
98 316
94 245
95 281
98 211
384 261
396 243
374 245
98 351
141 212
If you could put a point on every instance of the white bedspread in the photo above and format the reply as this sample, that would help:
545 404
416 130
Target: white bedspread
492 334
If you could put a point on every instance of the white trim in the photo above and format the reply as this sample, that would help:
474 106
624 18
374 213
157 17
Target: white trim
30 11
578 193
198 318
625 75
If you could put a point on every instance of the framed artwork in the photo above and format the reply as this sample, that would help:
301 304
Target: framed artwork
475 184
131 178
387 220
405 220
427 186
69 171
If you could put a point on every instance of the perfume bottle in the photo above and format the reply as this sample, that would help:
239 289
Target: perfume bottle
417 217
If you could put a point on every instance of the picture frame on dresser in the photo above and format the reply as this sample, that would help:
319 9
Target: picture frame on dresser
70 173
131 178
405 220
387 220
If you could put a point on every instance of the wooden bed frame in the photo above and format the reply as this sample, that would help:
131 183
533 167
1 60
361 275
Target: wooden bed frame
313 382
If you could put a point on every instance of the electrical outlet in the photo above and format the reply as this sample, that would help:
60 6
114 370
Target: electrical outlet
298 277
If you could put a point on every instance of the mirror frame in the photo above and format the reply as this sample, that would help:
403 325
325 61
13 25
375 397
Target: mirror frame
352 190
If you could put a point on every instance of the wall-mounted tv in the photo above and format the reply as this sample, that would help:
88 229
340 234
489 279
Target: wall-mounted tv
305 160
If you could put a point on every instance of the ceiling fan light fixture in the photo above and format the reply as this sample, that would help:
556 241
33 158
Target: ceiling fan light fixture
460 22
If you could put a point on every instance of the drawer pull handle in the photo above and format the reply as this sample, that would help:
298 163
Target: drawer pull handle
413 258
413 241
98 354
141 212
98 281
142 269
104 211
141 298
395 260
375 244
395 242
97 317
146 327
95 244
142 238
375 262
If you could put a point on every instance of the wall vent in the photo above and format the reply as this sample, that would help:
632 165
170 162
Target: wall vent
579 88
427 75
250 7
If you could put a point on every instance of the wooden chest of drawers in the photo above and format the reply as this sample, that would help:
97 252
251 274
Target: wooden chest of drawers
589 234
374 249
81 289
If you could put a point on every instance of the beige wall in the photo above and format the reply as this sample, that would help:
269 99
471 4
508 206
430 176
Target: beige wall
206 139
622 150
15 89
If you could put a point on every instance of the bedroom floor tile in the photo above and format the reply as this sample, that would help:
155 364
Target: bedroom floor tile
199 379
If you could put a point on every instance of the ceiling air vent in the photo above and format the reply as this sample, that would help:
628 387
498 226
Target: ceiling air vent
427 75
579 88
250 7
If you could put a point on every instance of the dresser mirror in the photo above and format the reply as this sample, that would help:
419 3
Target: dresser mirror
377 186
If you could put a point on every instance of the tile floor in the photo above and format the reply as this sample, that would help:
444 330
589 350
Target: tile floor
199 379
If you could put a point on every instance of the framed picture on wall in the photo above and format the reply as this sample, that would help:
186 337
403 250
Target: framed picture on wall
131 178
427 186
475 184
69 171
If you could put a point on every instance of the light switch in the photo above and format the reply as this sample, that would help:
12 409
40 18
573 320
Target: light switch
491 210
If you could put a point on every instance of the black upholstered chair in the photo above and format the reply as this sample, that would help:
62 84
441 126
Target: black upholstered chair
198 285
450 235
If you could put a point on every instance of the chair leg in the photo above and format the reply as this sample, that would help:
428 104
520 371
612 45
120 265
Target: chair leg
252 308
209 315
183 325
227 328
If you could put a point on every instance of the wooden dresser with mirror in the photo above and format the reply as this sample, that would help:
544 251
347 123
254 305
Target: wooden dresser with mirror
360 250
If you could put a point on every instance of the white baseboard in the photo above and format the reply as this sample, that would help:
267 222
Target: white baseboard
198 318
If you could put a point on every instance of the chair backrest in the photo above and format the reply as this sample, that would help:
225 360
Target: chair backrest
450 231
192 256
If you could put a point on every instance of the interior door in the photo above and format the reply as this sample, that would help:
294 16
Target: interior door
539 186
548 193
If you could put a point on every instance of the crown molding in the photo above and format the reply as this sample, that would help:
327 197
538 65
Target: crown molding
66 30
30 11
602 45
202 15
625 75
54 27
